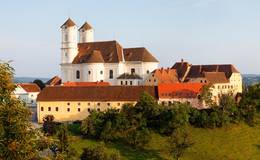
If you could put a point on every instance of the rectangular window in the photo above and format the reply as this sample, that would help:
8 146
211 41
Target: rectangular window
111 74
132 71
78 109
78 74
131 83
68 109
49 108
57 109
126 83
122 83
42 109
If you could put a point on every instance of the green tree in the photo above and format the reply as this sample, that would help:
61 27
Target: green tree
179 142
206 95
99 153
49 126
17 137
39 83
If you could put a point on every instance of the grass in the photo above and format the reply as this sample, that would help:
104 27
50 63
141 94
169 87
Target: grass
235 142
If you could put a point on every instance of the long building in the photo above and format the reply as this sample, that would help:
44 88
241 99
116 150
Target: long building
71 103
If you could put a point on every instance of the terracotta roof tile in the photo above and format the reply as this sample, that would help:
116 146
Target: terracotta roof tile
166 75
129 76
54 81
110 51
29 87
85 26
216 77
69 23
108 93
179 90
139 54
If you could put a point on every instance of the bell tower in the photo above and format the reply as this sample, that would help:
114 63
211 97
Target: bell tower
69 41
86 33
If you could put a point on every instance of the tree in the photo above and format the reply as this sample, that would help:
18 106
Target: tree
138 137
49 126
179 142
63 138
99 153
206 95
17 137
39 83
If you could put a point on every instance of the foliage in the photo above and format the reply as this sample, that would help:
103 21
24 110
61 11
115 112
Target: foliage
179 141
39 83
99 153
206 95
49 126
17 137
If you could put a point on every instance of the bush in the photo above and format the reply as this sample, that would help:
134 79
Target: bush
49 126
99 153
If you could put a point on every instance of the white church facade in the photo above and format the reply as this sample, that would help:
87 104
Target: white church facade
86 60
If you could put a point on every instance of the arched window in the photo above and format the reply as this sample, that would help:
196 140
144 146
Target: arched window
78 74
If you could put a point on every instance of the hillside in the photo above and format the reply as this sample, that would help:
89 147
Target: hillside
233 142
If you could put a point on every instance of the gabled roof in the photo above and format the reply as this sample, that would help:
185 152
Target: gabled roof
129 76
29 87
165 75
138 54
69 23
181 68
85 26
197 70
94 93
94 57
54 81
110 51
216 77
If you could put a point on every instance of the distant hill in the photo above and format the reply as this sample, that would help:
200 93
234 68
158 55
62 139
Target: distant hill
28 79
249 79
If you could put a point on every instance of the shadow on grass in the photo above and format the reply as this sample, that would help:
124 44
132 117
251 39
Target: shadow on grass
257 146
135 154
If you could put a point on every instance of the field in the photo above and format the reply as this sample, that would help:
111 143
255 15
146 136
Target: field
235 142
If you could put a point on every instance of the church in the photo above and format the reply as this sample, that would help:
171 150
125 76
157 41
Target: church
86 60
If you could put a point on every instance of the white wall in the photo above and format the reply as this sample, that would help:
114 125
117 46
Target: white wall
69 42
86 35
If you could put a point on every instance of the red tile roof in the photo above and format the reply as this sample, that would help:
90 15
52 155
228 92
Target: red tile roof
69 23
110 51
85 26
29 87
215 77
179 90
86 84
100 93
165 75
54 81
138 54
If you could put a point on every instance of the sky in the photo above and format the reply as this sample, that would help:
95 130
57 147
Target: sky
199 31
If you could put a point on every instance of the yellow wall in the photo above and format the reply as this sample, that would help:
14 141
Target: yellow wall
64 115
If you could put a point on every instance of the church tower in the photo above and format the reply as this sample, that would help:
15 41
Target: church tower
86 33
69 41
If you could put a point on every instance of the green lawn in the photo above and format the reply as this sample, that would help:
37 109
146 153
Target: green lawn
234 142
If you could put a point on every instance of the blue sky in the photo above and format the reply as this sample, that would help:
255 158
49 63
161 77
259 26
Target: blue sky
200 31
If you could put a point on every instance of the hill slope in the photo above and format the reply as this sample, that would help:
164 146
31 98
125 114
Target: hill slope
232 142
